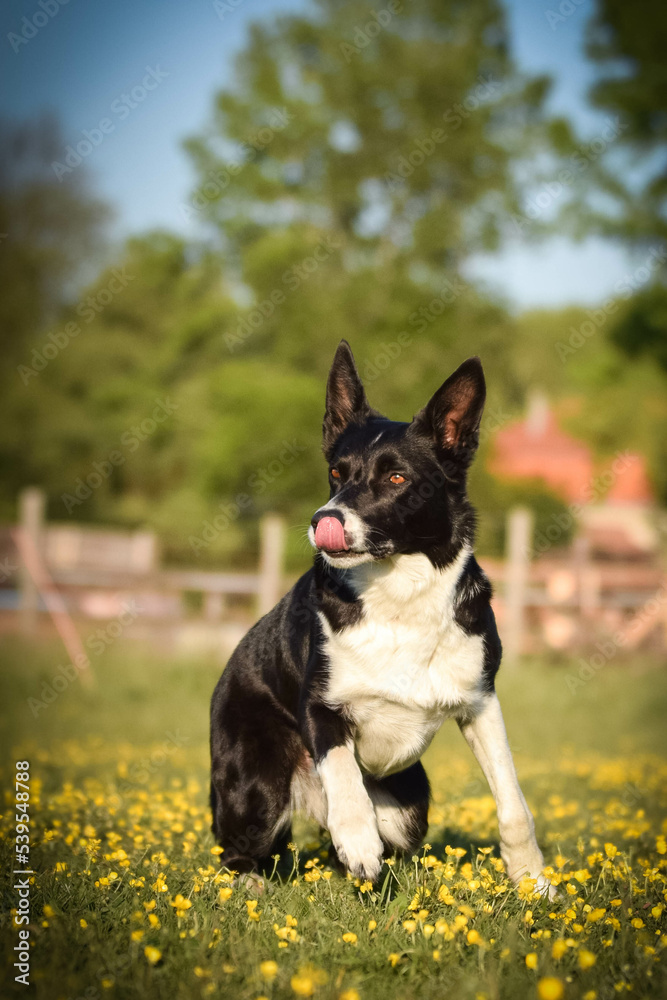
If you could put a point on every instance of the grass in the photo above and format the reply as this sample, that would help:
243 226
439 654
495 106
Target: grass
129 899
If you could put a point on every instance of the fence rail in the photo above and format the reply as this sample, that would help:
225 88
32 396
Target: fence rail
562 601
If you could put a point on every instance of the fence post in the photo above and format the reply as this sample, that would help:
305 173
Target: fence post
272 547
519 545
31 520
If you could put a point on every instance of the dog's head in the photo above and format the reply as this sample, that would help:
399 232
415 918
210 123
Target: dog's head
397 487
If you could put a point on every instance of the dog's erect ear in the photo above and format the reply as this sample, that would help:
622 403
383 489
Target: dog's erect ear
346 399
453 414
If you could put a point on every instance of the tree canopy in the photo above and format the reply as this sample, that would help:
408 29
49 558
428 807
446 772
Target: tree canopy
343 184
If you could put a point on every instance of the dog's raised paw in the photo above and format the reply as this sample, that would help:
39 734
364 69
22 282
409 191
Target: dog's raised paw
360 851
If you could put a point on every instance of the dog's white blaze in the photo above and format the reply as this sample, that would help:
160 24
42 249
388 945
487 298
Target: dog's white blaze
406 665
350 815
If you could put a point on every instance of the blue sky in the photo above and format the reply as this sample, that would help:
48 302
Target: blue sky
90 53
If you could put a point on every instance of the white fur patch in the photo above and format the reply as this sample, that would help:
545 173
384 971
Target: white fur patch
350 815
307 794
487 738
407 665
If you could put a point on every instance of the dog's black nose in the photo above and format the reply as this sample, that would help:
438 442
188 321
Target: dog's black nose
326 512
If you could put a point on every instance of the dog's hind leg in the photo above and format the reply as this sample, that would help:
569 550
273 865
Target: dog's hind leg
255 748
401 806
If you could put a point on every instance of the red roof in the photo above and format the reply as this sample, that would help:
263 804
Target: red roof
536 448
632 484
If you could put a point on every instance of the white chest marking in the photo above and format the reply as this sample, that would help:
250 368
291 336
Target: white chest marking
407 664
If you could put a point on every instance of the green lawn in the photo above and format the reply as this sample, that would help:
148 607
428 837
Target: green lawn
129 901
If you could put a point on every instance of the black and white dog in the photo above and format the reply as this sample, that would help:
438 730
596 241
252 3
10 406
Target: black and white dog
330 700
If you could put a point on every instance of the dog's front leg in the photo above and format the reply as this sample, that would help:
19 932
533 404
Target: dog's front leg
351 817
487 738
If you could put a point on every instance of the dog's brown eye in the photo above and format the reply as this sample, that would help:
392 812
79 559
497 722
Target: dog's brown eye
397 478
335 473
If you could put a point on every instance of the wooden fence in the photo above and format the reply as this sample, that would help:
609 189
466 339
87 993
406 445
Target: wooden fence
565 602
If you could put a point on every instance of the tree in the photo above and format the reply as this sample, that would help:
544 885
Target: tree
50 236
346 180
358 162
628 45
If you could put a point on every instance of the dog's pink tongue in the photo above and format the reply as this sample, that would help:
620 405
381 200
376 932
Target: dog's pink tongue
330 535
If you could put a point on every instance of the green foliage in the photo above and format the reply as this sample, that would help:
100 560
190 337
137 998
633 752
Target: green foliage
628 45
494 497
50 236
344 181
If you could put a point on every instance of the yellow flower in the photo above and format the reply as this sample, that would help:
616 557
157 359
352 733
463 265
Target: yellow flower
217 850
637 922
153 921
473 937
306 980
225 893
558 949
49 911
83 923
349 938
456 852
526 887
550 988
201 973
393 959
586 959
152 954
136 935
595 915
531 960
445 896
268 970
436 954
372 924
410 926
349 995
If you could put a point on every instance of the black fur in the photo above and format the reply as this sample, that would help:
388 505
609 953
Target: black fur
270 717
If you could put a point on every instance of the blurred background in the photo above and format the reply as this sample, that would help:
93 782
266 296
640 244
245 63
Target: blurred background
198 201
